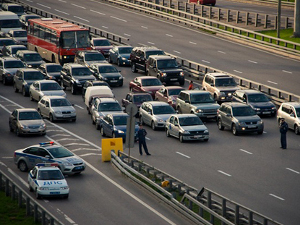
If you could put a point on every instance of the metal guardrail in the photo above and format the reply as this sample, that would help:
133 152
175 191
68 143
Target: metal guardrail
203 206
213 26
33 208
286 3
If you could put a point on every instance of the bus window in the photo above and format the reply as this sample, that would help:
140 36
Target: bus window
83 40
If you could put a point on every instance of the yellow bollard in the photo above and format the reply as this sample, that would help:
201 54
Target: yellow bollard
115 144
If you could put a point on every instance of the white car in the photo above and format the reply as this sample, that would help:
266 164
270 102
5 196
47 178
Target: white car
46 180
41 88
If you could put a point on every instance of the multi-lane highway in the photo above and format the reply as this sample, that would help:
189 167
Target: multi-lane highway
249 169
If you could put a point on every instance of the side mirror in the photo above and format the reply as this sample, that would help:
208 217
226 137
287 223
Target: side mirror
212 85
48 156
187 101
292 115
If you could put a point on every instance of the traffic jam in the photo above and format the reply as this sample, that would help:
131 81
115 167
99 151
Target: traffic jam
42 57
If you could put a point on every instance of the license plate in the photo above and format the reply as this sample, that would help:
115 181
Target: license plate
113 81
78 168
66 115
55 193
251 126
211 116
266 112
198 136
173 79
33 130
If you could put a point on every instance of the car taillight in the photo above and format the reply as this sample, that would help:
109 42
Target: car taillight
15 155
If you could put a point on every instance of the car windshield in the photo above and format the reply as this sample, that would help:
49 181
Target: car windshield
113 106
12 23
101 43
201 98
14 50
120 120
174 91
33 76
50 87
50 175
28 17
125 50
16 9
297 112
60 102
32 57
13 64
21 33
163 109
190 121
7 42
94 57
164 64
59 152
225 82
107 69
54 68
154 52
83 71
243 111
258 98
151 82
29 116
141 98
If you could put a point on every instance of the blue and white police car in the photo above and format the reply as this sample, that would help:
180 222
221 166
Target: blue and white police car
46 180
48 152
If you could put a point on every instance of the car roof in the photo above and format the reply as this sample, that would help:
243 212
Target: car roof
47 81
295 104
90 51
102 64
246 91
173 87
161 57
99 38
124 46
236 104
27 110
16 46
147 48
185 115
47 168
118 114
218 75
53 97
9 58
75 65
28 51
147 77
157 103
103 100
51 64
139 93
29 70
196 92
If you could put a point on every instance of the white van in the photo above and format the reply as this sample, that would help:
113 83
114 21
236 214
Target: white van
9 21
96 92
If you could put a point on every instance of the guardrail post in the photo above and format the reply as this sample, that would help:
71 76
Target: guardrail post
210 13
237 16
228 15
1 181
266 21
13 189
202 10
209 199
237 214
44 218
20 199
35 213
247 18
186 8
219 14
194 9
51 221
178 5
256 19
250 220
7 187
27 206
170 3
290 98
223 209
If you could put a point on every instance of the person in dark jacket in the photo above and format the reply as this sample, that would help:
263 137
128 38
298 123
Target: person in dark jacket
141 134
283 130
4 50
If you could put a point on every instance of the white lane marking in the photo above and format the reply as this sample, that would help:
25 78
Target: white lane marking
85 149
272 82
7 157
127 34
285 71
293 170
222 52
252 61
177 52
183 155
81 18
71 144
65 215
1 163
118 19
67 139
151 43
105 27
148 138
97 12
144 27
79 106
29 1
264 132
169 35
192 43
87 154
275 196
61 12
5 108
79 6
48 7
237 71
250 153
227 174
62 1
130 194
18 177
65 135
205 61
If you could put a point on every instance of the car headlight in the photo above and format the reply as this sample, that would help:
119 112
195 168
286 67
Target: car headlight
260 122
64 188
77 82
43 188
124 58
163 74
104 78
67 164
51 78
256 109
73 111
23 126
199 111
29 66
205 132
120 131
273 107
43 126
229 94
182 73
185 132
8 74
242 124
58 112
120 78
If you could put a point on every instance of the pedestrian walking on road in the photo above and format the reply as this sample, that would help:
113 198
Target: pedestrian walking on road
283 130
4 50
191 86
142 139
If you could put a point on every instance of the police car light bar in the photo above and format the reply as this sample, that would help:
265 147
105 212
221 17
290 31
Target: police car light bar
46 164
47 143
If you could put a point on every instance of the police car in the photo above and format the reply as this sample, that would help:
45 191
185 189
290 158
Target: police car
48 152
46 180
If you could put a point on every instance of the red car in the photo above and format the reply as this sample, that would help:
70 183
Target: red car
145 84
102 45
168 94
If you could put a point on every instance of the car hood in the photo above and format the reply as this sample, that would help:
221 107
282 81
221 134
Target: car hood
54 93
63 108
102 47
97 61
125 55
109 112
11 70
194 128
72 159
171 70
207 105
32 122
124 128
20 39
110 74
52 184
254 118
163 117
152 88
262 104
90 77
34 62
54 74
229 88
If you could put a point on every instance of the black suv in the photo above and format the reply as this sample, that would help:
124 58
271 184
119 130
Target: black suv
165 68
139 57
74 75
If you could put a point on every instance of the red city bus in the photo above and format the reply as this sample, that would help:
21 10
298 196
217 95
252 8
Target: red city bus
57 40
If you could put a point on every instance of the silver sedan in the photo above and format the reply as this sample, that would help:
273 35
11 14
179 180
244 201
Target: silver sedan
41 88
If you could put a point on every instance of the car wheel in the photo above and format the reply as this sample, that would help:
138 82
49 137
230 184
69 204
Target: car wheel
109 59
51 118
118 63
30 188
113 135
66 196
142 121
37 195
181 138
93 121
220 126
133 68
148 74
23 166
15 88
206 140
4 80
260 132
102 132
18 132
181 83
23 91
62 85
179 110
153 125
73 90
10 128
167 133
234 131
30 96
296 129
73 120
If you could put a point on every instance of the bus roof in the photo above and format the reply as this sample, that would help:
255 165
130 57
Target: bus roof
57 24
